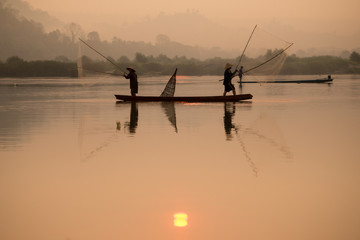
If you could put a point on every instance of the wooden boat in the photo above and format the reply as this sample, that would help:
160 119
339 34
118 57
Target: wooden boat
229 98
320 80
168 96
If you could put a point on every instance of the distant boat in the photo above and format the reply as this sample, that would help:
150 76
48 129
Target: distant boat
319 80
229 98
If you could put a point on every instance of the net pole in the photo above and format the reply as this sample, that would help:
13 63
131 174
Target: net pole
102 55
245 47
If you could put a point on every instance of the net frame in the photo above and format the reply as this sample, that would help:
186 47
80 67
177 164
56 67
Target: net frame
169 89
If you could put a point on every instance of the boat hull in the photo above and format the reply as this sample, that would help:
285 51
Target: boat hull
229 98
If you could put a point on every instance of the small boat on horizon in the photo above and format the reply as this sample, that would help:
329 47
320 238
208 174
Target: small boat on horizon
318 80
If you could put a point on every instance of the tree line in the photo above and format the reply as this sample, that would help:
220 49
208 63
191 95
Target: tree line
163 65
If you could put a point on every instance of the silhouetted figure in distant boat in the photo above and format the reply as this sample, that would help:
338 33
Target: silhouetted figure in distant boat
241 73
133 80
228 75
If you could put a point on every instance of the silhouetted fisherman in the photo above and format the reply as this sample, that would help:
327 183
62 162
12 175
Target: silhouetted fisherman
133 80
228 75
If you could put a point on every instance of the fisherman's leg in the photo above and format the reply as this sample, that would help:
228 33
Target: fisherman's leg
233 89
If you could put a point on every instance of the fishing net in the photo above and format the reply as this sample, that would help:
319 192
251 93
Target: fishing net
264 53
93 62
169 89
79 63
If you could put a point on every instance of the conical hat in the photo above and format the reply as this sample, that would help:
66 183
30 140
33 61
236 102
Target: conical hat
228 65
130 68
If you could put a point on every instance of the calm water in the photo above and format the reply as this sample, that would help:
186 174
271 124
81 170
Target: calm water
74 164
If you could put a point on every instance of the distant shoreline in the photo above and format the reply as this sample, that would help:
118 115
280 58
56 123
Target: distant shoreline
323 65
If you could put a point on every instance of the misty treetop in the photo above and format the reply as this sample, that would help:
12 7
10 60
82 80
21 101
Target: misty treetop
17 67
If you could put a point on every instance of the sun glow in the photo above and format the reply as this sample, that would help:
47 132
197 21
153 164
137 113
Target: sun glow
180 220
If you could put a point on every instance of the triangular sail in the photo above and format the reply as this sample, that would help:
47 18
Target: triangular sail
169 89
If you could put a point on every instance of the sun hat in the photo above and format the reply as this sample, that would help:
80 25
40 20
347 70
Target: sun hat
228 65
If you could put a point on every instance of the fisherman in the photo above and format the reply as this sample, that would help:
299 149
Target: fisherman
241 73
228 75
133 80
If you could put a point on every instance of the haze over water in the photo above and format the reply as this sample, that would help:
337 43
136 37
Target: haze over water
75 164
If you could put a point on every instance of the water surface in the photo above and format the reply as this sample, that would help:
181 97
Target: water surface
76 164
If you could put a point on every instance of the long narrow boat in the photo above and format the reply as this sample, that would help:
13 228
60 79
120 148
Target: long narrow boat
229 98
320 80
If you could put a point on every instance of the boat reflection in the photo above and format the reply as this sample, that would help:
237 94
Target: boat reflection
170 112
130 126
247 134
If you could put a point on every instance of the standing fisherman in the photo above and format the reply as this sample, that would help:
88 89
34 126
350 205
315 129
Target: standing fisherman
133 80
228 75
241 73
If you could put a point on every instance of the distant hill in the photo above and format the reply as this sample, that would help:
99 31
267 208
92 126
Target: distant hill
26 38
189 28
34 34
24 9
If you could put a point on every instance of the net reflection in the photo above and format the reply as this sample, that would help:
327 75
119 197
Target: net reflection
169 109
131 126
230 127
263 129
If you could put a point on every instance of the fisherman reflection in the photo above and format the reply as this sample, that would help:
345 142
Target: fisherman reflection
132 125
229 111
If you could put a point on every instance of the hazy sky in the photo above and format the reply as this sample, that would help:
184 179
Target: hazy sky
226 9
310 8
304 17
